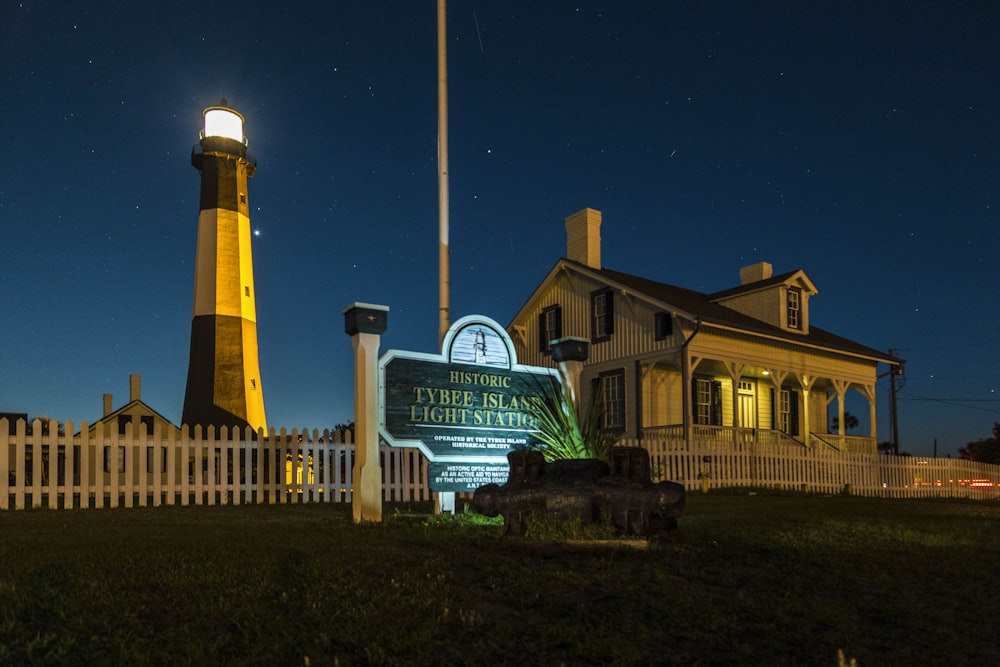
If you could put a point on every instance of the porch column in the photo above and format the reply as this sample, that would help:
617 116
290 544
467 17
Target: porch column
807 382
777 380
869 392
687 402
841 388
735 373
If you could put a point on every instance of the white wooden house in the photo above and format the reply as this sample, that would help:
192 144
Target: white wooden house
740 366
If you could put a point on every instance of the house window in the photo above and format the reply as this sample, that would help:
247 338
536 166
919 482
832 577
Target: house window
794 310
549 327
707 402
786 417
107 459
601 315
664 325
612 387
151 459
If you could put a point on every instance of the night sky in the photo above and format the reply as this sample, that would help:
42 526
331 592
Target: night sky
859 141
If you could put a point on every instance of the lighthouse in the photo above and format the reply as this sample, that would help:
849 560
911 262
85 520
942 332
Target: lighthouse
223 381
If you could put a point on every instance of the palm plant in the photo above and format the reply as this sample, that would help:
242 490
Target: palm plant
563 435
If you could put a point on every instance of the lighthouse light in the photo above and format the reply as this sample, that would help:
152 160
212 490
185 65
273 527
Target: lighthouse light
223 123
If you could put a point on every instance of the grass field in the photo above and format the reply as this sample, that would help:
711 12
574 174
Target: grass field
745 580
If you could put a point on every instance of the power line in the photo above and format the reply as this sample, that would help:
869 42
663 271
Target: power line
957 402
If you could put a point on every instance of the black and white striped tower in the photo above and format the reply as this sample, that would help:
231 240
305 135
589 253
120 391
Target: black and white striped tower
223 381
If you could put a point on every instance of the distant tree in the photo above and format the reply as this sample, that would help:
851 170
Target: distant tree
986 450
343 429
850 421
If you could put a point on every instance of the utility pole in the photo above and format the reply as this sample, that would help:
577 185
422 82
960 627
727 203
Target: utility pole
896 370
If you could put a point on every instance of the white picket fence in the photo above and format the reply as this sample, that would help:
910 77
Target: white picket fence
713 466
126 470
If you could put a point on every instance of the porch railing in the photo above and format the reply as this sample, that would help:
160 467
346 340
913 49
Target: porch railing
672 437
843 443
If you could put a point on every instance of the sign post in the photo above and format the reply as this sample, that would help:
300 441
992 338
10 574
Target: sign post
570 352
365 323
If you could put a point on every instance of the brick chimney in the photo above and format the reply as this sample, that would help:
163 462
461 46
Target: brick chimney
108 409
755 272
134 387
583 237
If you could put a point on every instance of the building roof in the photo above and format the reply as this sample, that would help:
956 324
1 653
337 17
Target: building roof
704 308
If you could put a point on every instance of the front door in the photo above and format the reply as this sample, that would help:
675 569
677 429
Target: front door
748 404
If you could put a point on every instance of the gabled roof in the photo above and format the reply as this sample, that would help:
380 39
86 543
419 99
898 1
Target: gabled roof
757 285
127 408
703 307
112 417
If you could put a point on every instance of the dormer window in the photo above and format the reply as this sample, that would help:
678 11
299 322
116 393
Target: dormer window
793 310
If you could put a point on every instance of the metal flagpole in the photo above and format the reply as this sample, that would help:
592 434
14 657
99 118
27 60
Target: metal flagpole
444 284
445 500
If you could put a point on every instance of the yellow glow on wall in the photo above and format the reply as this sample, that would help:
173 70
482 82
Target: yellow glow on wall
223 123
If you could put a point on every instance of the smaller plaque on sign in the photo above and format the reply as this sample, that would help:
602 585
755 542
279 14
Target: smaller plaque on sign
466 476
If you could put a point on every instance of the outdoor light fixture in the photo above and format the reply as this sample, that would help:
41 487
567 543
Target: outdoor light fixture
221 121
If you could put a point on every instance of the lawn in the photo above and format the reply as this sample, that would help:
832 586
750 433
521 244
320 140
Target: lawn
746 579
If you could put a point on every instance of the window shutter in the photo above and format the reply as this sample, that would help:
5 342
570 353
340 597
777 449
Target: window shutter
609 317
716 403
793 412
542 346
774 410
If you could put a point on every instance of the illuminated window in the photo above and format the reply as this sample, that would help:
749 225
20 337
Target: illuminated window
549 327
602 315
794 309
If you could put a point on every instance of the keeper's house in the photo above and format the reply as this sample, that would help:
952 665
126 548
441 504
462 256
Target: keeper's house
738 366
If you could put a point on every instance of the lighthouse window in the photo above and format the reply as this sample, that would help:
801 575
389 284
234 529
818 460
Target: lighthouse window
243 198
246 290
